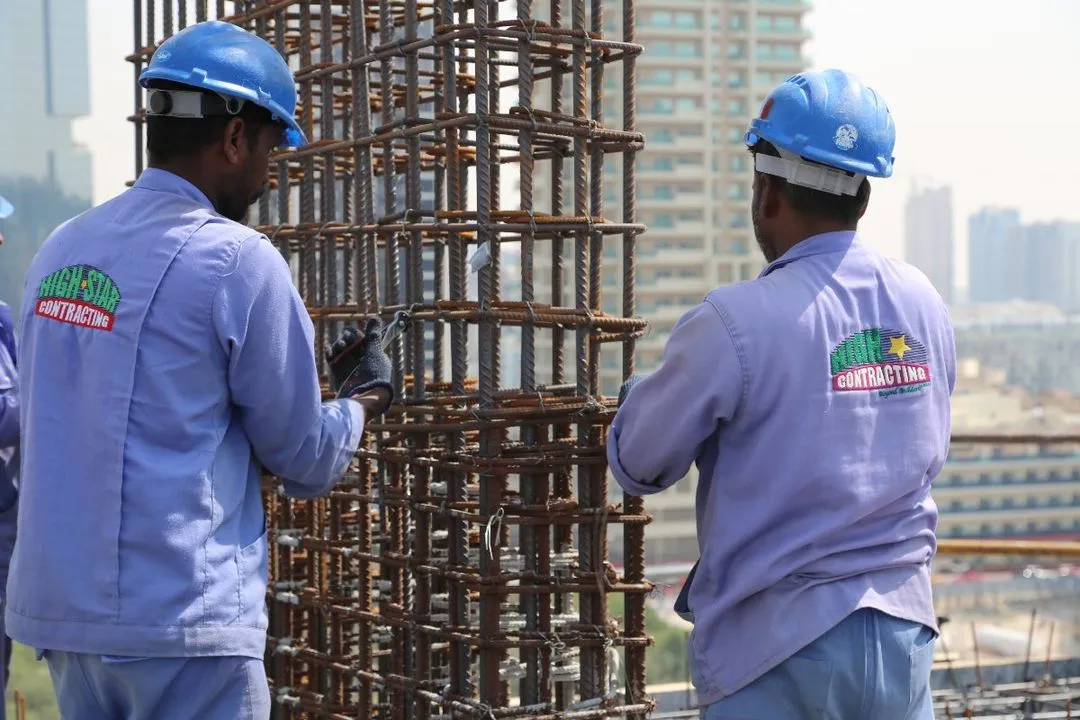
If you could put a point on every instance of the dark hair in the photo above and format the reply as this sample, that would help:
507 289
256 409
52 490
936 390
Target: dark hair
168 138
845 209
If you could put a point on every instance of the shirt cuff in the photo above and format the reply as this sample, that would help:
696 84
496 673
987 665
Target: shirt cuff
357 418
626 482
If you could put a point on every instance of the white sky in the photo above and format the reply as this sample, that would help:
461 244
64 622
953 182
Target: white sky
984 93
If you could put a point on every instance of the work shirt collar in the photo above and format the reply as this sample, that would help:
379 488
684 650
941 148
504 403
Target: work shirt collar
823 244
159 180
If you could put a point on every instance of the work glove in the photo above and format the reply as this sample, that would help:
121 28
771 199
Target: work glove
359 365
626 386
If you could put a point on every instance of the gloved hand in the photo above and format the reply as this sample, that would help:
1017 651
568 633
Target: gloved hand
626 386
359 365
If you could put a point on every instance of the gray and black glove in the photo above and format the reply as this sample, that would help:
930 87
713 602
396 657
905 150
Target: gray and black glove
626 386
358 364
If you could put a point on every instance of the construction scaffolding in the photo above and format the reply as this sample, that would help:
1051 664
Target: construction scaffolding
461 567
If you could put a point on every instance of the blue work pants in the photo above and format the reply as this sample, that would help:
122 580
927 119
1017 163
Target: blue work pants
871 666
97 687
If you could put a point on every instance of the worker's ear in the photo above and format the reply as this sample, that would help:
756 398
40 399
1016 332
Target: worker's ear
234 141
768 196
864 197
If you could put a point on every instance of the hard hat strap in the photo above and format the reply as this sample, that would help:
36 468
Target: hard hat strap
807 174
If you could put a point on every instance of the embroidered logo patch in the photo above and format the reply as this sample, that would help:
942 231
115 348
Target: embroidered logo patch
79 295
886 361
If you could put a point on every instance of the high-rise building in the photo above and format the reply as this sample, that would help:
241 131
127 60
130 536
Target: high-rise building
44 48
1038 262
995 253
704 73
1052 252
928 236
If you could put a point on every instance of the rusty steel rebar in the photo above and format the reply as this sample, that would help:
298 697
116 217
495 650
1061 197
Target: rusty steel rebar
460 568
988 546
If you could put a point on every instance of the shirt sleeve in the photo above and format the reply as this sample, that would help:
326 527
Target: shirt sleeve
267 334
950 357
9 400
658 432
7 332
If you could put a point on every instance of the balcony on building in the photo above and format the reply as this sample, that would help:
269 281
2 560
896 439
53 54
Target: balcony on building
673 52
794 7
670 21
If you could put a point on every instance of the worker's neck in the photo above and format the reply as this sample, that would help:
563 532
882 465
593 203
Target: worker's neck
808 230
189 171
193 174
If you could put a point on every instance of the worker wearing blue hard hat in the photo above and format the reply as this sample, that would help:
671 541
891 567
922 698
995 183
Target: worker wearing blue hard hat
9 458
168 358
814 401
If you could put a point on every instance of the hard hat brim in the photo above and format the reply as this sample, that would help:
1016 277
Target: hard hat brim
294 137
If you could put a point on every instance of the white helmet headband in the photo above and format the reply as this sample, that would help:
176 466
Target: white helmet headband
808 174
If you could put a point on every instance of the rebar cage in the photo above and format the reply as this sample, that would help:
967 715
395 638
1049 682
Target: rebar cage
461 568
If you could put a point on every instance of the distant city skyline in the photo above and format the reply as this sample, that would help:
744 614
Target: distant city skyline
1010 260
952 122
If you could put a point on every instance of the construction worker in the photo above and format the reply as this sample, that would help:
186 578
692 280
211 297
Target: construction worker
814 401
9 458
166 357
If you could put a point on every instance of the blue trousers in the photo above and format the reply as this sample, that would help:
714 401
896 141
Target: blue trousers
97 687
871 666
5 657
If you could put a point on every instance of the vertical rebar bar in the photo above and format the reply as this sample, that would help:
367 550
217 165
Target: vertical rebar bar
531 490
489 490
633 535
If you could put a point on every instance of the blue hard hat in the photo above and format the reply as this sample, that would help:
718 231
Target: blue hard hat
6 208
234 63
831 118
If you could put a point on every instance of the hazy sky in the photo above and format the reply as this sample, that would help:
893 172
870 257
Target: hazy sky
983 92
